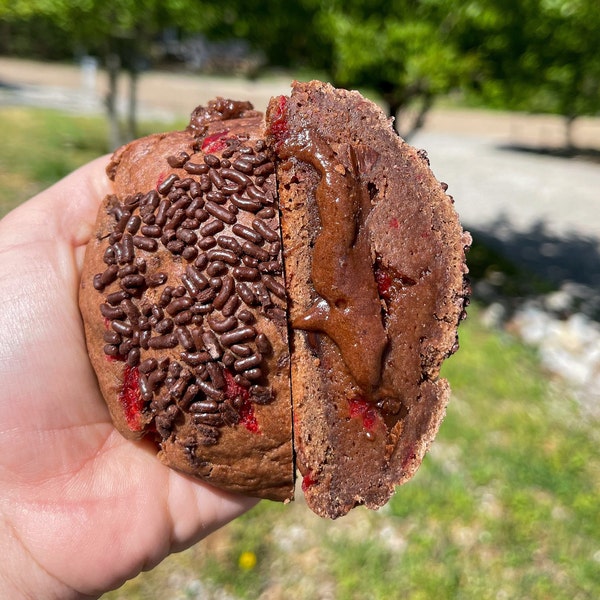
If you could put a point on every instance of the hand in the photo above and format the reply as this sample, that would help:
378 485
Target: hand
81 508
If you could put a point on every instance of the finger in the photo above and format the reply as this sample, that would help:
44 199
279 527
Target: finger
198 509
78 197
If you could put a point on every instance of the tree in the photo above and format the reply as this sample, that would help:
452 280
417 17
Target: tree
120 32
287 34
536 55
402 50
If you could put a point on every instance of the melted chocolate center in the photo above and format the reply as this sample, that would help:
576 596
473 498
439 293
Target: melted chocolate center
349 309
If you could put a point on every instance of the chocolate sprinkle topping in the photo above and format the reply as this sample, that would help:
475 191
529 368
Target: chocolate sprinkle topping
191 334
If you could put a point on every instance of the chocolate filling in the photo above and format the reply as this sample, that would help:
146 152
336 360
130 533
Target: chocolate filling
349 309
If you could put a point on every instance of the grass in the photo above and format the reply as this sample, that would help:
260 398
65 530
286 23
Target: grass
504 506
42 146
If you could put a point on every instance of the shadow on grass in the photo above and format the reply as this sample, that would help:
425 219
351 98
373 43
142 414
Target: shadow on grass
514 265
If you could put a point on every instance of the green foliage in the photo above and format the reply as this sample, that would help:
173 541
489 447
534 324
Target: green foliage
284 32
44 146
92 21
403 49
37 37
119 31
536 55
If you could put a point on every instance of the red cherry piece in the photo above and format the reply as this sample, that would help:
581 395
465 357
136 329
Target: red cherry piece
361 409
279 125
246 410
384 283
248 418
308 481
232 389
215 142
390 282
131 398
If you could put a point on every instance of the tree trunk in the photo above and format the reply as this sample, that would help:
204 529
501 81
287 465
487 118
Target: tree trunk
394 108
419 120
132 105
5 38
113 65
569 139
397 107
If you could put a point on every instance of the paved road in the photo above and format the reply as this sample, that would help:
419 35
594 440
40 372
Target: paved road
490 182
543 210
540 210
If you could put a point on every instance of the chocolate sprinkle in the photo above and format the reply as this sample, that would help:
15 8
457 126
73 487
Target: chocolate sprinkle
220 213
247 233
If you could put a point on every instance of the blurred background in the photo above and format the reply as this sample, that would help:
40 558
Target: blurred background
505 96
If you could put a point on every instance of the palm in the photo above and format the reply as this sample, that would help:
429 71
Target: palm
89 507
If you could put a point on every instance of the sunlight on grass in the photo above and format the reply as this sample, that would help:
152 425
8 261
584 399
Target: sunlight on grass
44 146
504 506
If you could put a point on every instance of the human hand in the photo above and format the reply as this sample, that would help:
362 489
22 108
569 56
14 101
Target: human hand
81 508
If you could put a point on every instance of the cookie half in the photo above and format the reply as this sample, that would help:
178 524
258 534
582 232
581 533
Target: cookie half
184 303
375 265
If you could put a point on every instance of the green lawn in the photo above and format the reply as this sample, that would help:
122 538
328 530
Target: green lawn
41 146
505 506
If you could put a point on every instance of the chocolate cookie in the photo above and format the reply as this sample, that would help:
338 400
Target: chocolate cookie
184 302
187 310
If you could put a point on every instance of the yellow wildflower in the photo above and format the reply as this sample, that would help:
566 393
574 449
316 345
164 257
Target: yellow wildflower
247 560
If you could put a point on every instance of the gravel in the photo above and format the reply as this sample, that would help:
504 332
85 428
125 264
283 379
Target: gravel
567 338
543 213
